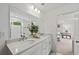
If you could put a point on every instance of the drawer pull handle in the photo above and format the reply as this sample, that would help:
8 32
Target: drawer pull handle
77 41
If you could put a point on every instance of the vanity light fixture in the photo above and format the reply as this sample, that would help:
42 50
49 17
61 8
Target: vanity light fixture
42 4
32 7
35 9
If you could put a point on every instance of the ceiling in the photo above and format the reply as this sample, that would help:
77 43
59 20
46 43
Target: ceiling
46 7
53 6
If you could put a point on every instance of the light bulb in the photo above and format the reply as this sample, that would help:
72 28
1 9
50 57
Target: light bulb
35 9
32 7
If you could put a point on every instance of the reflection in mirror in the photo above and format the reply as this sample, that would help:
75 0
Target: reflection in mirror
16 26
19 21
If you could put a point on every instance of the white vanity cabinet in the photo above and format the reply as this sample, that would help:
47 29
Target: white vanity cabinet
46 46
41 48
31 46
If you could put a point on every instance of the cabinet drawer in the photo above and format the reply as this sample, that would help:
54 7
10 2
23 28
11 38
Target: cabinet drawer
27 52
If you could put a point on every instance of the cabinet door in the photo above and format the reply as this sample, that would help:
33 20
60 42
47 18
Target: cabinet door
42 48
76 36
76 47
49 44
27 52
76 52
46 46
35 50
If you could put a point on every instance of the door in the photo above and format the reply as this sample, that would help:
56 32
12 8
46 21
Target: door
65 32
76 36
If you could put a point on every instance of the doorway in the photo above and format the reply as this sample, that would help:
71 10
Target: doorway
65 31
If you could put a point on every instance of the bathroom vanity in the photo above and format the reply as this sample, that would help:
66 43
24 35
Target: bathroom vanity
31 46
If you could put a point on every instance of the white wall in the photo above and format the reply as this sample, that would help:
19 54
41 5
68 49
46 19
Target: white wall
48 25
4 27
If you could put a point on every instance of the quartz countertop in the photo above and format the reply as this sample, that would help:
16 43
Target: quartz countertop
20 46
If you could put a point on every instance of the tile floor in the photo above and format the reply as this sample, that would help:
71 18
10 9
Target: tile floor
64 47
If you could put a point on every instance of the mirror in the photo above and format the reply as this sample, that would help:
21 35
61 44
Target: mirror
19 22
